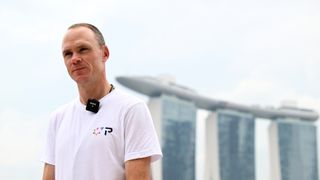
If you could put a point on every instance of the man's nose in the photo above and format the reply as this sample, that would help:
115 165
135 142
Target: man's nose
76 59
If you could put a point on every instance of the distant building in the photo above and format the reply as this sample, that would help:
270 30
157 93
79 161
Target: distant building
175 122
230 149
230 141
293 150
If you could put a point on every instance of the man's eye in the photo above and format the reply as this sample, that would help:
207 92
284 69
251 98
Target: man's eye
83 49
66 54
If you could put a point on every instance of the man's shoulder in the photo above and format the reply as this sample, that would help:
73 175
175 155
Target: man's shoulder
64 108
59 113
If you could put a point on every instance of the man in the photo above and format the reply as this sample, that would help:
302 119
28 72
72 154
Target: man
104 134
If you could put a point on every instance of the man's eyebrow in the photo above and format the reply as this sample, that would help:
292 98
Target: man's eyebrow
77 46
81 46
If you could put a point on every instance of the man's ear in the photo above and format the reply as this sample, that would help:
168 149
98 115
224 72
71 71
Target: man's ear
105 53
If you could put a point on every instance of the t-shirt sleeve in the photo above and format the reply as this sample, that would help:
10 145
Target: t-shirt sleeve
48 154
141 139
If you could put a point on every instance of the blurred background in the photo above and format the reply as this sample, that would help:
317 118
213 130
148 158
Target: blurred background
249 52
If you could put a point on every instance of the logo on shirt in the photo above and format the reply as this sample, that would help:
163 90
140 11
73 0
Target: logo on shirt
102 130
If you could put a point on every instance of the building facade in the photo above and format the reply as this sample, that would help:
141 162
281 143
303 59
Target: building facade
234 139
293 150
175 122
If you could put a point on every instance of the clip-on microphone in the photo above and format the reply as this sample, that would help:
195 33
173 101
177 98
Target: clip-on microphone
93 105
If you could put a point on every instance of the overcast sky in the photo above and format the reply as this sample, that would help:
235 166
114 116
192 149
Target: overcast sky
250 52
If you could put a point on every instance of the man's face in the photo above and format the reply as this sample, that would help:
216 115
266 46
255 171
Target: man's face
83 56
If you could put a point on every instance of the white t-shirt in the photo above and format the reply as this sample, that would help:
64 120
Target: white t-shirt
87 146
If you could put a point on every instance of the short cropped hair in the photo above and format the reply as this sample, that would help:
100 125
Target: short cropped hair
94 29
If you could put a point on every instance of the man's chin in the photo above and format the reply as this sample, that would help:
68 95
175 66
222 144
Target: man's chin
81 79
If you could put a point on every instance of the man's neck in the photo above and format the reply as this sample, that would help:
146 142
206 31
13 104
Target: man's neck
94 91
